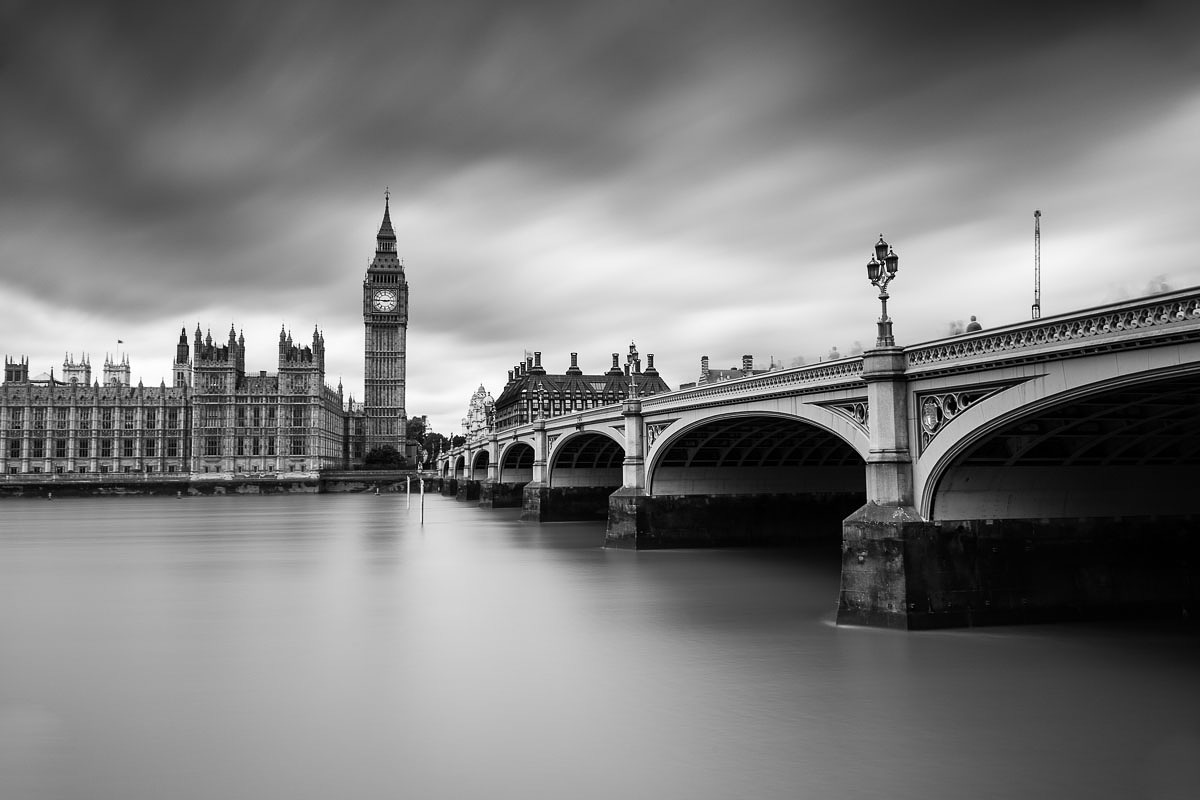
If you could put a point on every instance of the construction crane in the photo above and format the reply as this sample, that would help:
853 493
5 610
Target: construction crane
1037 264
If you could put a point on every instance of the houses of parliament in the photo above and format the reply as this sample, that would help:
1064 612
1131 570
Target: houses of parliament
216 418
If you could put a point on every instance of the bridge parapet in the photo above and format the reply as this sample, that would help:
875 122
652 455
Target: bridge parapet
1110 327
821 376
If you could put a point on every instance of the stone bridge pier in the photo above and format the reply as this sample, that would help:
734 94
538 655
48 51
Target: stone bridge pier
1070 496
576 486
510 470
885 543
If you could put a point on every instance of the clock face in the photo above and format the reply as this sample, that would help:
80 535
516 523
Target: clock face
384 300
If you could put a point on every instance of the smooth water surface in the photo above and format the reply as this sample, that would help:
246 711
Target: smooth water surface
334 647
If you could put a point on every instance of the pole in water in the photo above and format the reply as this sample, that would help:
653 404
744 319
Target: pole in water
407 491
422 501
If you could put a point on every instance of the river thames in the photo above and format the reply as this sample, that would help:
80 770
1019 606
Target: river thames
333 646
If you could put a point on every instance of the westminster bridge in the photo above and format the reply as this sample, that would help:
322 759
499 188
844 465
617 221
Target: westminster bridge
1042 470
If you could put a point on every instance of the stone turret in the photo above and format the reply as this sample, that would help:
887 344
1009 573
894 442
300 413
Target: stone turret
77 372
116 373
16 371
182 368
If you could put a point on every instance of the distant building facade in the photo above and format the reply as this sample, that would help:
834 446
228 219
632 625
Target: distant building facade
216 417
48 425
289 421
531 392
710 375
480 421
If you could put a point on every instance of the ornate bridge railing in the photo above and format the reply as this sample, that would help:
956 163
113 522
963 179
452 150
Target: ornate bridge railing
846 370
1159 313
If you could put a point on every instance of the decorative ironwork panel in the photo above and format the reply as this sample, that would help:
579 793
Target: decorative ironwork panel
856 410
653 431
936 409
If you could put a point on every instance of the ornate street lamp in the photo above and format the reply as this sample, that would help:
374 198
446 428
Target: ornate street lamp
881 269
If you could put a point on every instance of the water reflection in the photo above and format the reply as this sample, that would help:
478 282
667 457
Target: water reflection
313 647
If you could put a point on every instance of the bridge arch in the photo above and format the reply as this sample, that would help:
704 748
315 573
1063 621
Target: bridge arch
754 453
479 466
747 477
586 458
1121 447
460 463
516 463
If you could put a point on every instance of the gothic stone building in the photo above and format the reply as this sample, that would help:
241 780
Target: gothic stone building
213 419
289 421
74 425
480 421
216 417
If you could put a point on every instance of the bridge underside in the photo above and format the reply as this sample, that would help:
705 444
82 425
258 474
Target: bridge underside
1084 509
582 475
742 481
515 471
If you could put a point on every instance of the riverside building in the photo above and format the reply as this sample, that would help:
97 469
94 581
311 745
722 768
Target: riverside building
216 418
532 393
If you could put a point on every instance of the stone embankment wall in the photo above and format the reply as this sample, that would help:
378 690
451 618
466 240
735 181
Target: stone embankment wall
59 485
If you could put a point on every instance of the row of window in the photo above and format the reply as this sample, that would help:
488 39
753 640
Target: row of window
40 418
104 468
297 385
254 446
105 448
213 416
521 413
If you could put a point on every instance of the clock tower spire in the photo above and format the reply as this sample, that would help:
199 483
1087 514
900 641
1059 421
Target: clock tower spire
385 318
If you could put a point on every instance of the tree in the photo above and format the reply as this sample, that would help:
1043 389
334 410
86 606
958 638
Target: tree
416 429
386 457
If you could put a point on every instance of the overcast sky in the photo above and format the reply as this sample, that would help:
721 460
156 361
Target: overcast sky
701 178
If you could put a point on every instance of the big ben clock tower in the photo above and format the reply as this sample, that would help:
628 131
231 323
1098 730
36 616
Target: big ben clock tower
385 317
